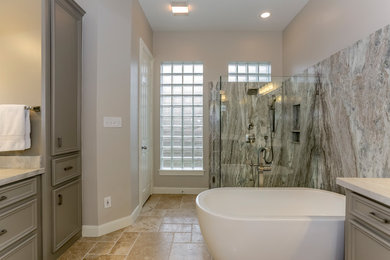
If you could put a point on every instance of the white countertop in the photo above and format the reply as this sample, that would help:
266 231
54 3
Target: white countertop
12 175
374 188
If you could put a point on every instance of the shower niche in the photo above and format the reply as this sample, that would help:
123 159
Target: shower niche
296 132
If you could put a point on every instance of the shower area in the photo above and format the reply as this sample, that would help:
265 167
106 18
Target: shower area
266 133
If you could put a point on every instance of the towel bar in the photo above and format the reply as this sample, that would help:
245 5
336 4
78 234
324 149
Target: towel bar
35 109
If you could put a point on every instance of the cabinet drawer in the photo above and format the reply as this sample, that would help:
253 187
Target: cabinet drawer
26 250
66 213
371 212
17 222
65 168
18 191
366 244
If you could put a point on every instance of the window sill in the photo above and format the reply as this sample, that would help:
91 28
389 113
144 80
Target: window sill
181 172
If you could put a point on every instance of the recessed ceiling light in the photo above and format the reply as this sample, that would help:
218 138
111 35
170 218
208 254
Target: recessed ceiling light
265 15
180 8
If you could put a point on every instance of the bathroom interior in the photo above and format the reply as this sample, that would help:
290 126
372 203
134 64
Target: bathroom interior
183 129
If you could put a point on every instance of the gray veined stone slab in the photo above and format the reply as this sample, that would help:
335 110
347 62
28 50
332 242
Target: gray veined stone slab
344 122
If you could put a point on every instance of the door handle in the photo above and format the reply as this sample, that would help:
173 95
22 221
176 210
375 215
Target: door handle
59 199
144 147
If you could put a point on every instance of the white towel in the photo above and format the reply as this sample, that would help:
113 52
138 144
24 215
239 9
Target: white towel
15 128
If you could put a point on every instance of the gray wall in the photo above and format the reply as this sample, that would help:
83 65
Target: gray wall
140 29
110 62
324 27
20 61
89 112
215 50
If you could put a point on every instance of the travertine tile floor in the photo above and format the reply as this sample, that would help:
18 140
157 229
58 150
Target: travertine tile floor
167 228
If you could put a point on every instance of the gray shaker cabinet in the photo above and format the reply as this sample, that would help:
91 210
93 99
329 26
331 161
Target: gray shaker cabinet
64 186
66 212
65 77
28 249
367 229
20 220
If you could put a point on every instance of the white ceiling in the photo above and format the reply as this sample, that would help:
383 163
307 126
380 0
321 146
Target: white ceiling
223 15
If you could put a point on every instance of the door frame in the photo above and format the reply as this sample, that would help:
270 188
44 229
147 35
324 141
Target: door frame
143 47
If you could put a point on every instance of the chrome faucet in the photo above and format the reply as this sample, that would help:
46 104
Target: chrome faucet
261 168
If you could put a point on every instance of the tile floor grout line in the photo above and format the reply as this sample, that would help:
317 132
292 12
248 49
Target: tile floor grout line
109 251
115 241
128 253
170 248
89 250
192 230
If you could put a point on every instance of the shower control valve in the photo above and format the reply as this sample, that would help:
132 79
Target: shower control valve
250 138
265 168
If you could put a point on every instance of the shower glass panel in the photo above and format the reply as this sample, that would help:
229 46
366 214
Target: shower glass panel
280 117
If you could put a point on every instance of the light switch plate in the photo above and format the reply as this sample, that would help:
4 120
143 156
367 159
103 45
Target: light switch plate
112 121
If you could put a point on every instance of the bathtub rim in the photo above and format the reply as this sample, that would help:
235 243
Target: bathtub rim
271 217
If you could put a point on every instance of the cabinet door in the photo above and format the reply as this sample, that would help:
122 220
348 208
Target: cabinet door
366 244
66 213
66 77
25 250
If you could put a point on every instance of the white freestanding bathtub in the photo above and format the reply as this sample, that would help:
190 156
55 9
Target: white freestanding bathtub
272 223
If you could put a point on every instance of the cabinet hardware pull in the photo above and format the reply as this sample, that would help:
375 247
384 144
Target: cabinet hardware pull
383 220
144 147
3 198
68 168
59 199
3 231
59 142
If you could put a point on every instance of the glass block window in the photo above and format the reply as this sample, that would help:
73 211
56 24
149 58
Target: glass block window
181 116
249 72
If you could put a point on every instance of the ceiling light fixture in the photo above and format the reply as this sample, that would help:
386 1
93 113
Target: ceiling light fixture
180 8
265 15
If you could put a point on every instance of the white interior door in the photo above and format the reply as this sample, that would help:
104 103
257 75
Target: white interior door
145 122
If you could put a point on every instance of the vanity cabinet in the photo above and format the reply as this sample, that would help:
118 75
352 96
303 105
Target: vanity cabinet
66 25
26 250
367 229
20 220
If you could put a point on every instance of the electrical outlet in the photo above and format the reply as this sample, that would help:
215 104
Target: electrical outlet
107 202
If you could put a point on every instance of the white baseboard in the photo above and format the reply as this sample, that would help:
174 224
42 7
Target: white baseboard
174 190
97 231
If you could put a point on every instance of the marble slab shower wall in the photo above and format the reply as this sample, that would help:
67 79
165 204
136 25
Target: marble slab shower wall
295 161
345 118
354 111
238 110
344 121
